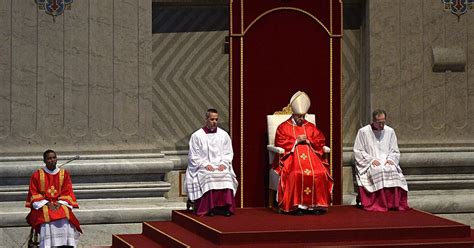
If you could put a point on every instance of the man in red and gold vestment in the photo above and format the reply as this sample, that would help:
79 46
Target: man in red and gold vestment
305 183
51 199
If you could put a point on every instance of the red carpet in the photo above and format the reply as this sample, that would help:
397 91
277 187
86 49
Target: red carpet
342 226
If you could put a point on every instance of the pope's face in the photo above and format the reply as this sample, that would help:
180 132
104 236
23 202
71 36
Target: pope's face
379 122
211 121
299 119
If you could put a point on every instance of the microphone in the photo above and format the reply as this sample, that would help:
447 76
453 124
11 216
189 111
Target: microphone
70 160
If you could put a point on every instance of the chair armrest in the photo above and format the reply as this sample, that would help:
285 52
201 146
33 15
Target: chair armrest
275 149
326 149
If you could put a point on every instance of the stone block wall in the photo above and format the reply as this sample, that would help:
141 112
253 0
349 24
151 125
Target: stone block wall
80 81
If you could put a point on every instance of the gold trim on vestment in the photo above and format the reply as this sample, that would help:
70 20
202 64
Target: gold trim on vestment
67 197
33 197
312 170
61 180
167 235
66 211
46 213
299 162
42 182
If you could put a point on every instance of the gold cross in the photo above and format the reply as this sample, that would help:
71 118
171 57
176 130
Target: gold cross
307 191
303 156
307 172
52 191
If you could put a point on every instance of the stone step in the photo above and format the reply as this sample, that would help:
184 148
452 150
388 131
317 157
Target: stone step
421 161
440 181
103 164
443 201
97 211
97 190
90 167
440 177
93 176
63 158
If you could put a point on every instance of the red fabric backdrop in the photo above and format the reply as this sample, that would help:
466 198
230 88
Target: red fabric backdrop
281 48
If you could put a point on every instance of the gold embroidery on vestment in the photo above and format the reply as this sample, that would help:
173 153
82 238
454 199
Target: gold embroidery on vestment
52 191
303 156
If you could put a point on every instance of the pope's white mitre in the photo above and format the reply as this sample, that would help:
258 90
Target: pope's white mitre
300 103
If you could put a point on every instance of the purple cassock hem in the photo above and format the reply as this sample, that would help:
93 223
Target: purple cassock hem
384 199
214 198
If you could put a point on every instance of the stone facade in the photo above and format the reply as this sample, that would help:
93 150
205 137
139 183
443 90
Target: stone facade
78 82
428 109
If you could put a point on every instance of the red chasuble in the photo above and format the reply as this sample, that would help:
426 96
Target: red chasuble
304 175
44 186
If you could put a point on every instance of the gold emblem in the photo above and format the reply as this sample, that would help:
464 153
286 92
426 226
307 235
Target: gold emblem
307 191
307 172
303 156
52 191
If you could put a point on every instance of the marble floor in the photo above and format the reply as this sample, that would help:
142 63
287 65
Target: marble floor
94 235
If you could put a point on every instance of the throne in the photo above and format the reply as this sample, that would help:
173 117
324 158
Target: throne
274 152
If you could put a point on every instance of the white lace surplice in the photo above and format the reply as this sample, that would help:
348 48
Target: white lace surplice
209 149
58 233
377 145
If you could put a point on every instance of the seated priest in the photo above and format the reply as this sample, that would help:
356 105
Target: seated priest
305 183
382 185
51 200
210 180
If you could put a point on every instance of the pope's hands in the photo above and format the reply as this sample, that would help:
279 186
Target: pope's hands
301 139
209 167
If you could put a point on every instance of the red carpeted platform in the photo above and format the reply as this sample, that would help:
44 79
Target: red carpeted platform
342 226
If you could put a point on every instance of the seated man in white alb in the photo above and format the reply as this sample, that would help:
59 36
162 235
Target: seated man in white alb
382 185
210 180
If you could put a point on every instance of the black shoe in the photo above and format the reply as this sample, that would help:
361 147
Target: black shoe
189 205
227 213
319 212
298 212
210 213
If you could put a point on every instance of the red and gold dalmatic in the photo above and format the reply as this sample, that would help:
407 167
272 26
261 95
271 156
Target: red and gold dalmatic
304 175
45 186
